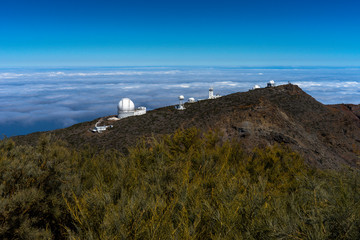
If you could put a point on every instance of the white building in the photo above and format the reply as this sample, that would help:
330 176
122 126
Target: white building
271 84
140 111
191 100
256 87
126 108
211 94
181 103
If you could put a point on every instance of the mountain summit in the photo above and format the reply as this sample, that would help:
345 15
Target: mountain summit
327 136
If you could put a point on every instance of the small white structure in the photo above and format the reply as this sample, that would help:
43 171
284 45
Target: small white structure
181 103
191 100
126 108
140 111
271 84
100 129
211 94
256 87
113 119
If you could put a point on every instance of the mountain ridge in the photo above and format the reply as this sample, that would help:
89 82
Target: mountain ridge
327 136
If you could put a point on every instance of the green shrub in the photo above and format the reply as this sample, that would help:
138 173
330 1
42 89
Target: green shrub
188 185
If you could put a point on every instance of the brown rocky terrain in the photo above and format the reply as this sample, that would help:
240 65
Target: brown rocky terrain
326 136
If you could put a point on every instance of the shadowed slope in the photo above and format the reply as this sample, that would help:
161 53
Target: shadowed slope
327 136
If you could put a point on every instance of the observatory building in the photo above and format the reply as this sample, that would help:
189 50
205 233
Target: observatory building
181 103
191 100
256 87
211 94
271 84
126 108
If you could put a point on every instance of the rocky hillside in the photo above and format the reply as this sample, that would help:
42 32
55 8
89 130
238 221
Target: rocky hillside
327 136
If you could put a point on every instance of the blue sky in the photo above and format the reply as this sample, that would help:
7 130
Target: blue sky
159 33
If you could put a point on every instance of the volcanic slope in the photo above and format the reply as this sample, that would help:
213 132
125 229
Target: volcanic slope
326 136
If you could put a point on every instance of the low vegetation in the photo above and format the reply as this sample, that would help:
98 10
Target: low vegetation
186 185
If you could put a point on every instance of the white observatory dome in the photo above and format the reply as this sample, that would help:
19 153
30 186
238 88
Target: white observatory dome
256 87
272 82
181 97
191 100
126 105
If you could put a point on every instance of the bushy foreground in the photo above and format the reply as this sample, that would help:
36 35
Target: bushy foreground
183 186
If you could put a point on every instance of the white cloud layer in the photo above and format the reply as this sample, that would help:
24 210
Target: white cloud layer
12 75
62 97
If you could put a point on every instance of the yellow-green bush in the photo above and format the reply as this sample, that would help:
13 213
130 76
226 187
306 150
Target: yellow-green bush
187 185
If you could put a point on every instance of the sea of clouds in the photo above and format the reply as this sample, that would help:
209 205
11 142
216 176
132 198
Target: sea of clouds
45 99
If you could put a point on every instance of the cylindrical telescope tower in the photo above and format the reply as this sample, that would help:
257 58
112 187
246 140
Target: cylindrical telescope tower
211 93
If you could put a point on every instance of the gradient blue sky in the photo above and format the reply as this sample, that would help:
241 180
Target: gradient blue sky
172 32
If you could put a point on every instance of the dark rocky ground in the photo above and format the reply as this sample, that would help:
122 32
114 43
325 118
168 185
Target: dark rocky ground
328 136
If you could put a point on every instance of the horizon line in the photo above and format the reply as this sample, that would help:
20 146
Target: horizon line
188 66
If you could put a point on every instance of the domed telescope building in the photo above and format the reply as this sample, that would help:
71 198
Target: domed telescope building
271 83
256 87
126 108
181 103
